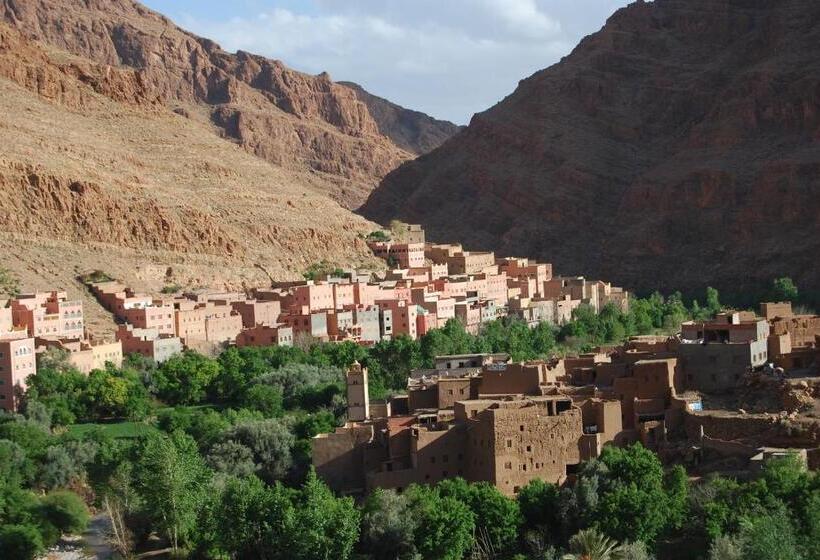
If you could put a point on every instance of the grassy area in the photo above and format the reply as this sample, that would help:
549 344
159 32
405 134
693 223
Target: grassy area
115 430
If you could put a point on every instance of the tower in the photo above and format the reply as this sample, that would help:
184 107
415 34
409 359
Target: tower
358 399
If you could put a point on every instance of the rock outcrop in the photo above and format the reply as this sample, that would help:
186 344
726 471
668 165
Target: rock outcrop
679 146
298 121
410 130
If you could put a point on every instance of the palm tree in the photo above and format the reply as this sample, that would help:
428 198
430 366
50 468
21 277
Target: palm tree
590 544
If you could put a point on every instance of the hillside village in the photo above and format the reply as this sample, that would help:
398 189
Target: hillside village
482 417
425 286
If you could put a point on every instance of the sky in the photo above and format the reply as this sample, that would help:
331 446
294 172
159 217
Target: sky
447 58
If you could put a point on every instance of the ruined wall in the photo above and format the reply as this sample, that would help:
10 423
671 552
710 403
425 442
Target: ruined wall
754 429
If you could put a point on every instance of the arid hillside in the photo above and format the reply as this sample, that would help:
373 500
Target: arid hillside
679 146
297 121
96 172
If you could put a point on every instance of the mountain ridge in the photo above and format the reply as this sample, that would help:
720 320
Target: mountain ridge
676 147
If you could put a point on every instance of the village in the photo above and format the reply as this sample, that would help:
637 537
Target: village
482 417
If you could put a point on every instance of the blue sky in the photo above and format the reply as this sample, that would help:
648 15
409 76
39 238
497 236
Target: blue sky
447 58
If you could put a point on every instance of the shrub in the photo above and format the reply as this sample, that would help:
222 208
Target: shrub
66 511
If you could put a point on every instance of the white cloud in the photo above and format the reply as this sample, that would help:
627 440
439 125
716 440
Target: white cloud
448 58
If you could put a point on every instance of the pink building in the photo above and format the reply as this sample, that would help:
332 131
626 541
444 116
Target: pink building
255 312
49 314
266 335
17 362
148 342
425 322
343 296
442 308
405 255
398 317
365 294
307 323
470 315
222 323
189 320
316 297
159 316
85 355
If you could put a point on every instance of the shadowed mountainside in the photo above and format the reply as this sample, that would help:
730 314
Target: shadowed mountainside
678 146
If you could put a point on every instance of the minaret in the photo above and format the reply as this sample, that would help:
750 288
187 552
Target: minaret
358 399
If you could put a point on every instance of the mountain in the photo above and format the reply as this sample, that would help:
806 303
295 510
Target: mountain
676 147
410 130
101 169
295 120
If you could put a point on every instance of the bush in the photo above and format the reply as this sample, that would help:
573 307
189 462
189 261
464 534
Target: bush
20 542
171 288
66 511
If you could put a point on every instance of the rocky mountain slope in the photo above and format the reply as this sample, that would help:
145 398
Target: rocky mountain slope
411 130
297 121
97 172
677 147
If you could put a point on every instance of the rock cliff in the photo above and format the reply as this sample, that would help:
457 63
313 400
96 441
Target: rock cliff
679 146
410 130
298 121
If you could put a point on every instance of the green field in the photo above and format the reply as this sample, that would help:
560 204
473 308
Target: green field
115 430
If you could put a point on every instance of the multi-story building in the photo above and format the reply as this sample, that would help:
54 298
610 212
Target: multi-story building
150 343
716 354
17 363
49 315
255 312
85 355
263 335
158 316
399 255
398 318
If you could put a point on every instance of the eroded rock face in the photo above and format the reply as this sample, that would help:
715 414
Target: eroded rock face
293 119
410 130
98 172
677 147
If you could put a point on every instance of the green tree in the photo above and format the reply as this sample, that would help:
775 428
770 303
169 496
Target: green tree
445 526
713 304
769 537
171 479
185 378
388 526
634 504
589 544
784 289
21 542
267 399
260 519
324 527
271 442
233 458
538 501
495 516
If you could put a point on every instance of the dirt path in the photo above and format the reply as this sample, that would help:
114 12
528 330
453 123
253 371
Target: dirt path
92 545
